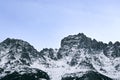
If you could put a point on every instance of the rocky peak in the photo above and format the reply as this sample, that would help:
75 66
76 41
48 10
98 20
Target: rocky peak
77 53
15 43
11 41
82 41
75 40
16 50
73 43
112 50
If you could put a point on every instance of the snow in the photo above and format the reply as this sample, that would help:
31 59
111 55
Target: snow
56 69
59 69
108 65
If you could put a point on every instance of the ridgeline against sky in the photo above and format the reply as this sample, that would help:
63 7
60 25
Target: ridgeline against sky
45 22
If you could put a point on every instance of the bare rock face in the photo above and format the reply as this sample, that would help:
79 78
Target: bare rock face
78 58
27 74
90 75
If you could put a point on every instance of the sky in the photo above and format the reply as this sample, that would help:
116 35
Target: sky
43 23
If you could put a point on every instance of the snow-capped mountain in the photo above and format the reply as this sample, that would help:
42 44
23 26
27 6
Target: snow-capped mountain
78 58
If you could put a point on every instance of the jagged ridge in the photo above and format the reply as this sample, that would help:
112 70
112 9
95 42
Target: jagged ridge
77 53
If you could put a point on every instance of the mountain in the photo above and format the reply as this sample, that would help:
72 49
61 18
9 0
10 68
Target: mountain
16 56
88 75
78 58
27 74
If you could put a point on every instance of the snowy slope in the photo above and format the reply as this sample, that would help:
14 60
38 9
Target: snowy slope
77 56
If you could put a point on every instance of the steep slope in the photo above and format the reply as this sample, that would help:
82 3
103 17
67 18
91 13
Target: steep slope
15 59
89 75
27 74
86 53
79 56
17 50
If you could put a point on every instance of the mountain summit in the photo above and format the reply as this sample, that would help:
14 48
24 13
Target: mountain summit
78 58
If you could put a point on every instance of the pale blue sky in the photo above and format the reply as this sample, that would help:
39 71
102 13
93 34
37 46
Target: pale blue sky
43 23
